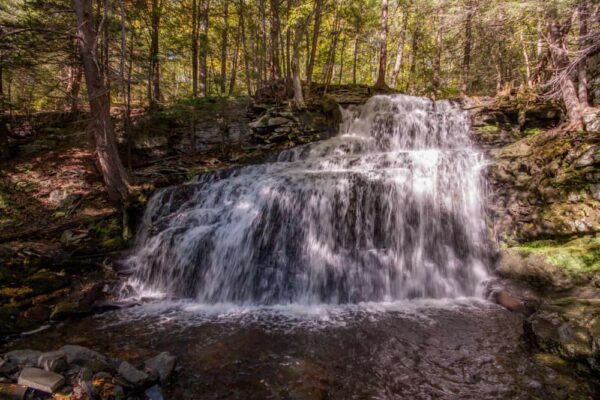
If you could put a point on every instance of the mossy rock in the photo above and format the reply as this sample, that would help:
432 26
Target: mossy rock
66 310
45 281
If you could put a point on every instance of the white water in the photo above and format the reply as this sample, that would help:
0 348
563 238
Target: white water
389 209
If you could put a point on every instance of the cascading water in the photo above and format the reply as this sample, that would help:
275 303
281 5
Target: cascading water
389 209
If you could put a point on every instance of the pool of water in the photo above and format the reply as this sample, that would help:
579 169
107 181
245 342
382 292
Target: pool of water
425 349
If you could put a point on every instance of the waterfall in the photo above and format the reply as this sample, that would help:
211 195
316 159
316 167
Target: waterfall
389 209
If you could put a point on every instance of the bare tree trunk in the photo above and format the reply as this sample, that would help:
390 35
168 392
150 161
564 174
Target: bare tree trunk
355 57
245 48
114 174
275 33
224 45
299 29
74 74
154 75
557 33
380 83
342 52
466 64
234 61
412 73
526 59
203 47
400 53
437 62
314 44
582 73
195 35
263 41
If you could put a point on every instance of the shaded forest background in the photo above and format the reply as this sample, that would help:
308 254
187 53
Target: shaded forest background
157 51
136 55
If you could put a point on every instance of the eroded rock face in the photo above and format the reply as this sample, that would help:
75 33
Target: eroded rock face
569 327
542 180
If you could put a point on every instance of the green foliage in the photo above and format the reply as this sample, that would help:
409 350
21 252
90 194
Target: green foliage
489 128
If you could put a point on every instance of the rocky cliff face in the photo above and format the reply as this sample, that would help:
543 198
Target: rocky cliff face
544 182
544 208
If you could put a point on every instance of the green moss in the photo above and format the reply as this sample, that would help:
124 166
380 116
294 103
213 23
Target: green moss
489 128
532 131
576 256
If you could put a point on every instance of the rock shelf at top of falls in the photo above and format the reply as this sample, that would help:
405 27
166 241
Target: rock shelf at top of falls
389 209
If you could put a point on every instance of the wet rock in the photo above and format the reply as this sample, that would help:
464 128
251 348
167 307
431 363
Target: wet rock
69 309
54 361
80 355
132 374
41 380
154 393
23 358
509 301
11 391
533 269
277 121
161 366
569 327
97 365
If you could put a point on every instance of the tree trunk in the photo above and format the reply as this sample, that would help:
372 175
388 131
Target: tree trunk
400 53
582 73
114 174
203 47
224 44
262 69
74 74
314 43
412 73
558 52
526 60
245 49
275 33
154 76
234 61
380 83
299 28
437 62
466 64
355 57
195 15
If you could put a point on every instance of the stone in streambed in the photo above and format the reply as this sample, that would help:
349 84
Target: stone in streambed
132 374
54 361
80 355
154 393
38 379
161 366
508 301
23 358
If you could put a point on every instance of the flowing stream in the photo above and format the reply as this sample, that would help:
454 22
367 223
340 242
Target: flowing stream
389 209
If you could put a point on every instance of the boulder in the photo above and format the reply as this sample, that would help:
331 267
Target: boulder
41 380
509 301
533 269
161 366
570 328
131 374
54 361
23 358
80 355
154 393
